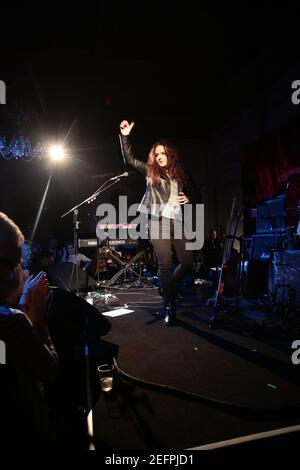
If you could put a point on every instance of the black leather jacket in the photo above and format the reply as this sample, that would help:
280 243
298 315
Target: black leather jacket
155 194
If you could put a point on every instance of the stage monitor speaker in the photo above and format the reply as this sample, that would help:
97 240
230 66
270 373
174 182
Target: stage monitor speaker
76 329
270 215
67 312
262 245
63 275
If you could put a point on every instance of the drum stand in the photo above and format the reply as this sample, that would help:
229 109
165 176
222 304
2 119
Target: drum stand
284 296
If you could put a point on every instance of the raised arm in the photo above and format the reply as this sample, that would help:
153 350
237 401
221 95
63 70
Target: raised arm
138 165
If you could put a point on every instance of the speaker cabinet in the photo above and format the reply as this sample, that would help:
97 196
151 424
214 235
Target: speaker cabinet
63 275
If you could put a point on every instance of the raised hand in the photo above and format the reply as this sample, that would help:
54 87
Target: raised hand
31 281
35 305
126 128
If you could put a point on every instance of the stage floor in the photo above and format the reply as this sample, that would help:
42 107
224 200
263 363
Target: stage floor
212 385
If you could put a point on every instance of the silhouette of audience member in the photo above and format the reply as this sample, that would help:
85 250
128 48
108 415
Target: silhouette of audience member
70 257
26 255
31 358
212 250
54 252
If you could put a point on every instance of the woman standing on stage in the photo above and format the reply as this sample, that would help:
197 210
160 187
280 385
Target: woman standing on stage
168 188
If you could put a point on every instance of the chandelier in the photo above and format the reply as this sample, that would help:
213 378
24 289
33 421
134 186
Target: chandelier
20 147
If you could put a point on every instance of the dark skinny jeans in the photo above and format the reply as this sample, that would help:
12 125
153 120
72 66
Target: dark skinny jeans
163 249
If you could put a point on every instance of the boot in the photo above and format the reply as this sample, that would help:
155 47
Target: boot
170 313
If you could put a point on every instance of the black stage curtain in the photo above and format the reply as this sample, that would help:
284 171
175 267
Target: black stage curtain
271 166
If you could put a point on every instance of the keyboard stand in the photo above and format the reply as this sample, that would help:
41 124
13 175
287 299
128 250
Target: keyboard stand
125 266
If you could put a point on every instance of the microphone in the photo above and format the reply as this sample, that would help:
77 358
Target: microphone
119 176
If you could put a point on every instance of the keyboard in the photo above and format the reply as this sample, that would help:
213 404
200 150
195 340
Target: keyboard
118 243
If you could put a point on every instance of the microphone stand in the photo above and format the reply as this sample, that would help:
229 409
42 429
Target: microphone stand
74 209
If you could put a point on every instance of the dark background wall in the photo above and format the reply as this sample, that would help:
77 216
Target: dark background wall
213 82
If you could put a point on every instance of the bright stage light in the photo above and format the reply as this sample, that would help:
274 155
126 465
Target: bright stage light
56 152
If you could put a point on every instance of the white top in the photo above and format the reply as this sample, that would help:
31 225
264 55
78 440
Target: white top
172 209
80 257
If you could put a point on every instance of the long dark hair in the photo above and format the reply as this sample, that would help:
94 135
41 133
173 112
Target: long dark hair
174 167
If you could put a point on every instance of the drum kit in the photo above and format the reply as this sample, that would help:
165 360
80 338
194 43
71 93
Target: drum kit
284 278
269 260
283 257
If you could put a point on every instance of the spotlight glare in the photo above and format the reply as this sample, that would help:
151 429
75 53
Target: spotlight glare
56 152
